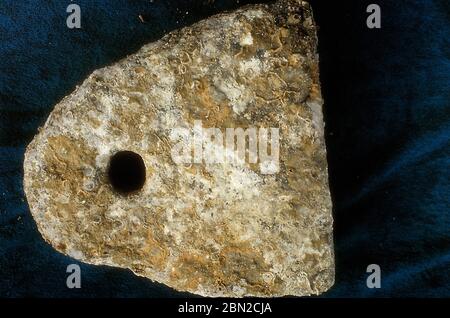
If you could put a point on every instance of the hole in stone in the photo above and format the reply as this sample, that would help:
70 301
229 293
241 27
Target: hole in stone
126 172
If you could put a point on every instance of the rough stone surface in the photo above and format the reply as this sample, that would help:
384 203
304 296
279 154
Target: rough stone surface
214 229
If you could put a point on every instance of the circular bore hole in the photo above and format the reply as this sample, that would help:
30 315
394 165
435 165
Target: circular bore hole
126 172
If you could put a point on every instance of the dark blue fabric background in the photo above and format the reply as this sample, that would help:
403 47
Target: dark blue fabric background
387 100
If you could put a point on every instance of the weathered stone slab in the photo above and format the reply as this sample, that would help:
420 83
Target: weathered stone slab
136 169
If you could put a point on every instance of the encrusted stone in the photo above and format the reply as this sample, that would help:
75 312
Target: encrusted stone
208 222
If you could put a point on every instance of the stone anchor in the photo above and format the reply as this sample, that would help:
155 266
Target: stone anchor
104 188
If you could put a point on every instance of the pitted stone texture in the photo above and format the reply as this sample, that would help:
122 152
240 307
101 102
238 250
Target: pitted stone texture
210 229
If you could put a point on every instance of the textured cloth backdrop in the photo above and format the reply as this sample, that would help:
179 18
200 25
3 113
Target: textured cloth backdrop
387 105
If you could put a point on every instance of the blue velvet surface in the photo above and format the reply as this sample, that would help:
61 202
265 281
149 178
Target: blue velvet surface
387 111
